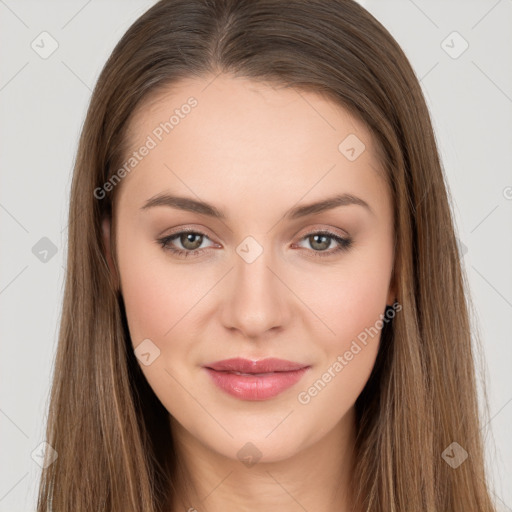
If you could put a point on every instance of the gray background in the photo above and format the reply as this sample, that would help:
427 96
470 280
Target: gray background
42 107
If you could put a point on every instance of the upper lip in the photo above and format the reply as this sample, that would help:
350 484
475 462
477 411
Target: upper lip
239 364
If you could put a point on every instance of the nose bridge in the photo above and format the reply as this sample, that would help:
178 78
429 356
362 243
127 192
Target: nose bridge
252 268
256 302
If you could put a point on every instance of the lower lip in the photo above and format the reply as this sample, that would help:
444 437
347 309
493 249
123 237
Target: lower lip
255 387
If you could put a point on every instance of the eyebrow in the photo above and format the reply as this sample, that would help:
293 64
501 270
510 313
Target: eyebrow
204 208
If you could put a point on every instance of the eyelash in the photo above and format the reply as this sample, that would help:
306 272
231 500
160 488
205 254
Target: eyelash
343 244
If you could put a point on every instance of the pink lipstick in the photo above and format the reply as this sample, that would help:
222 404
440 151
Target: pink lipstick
255 380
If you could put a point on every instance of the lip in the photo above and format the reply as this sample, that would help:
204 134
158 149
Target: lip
255 380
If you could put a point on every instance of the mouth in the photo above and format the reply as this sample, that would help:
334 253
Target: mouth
255 380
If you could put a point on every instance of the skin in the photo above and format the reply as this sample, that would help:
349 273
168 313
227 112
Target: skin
255 151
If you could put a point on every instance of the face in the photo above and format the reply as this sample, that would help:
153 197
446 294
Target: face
264 277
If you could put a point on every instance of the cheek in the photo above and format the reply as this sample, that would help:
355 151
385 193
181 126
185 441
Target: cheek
351 303
158 298
155 292
347 302
353 310
149 303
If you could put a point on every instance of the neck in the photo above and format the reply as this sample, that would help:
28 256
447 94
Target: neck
315 478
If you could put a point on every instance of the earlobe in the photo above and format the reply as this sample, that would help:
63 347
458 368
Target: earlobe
106 231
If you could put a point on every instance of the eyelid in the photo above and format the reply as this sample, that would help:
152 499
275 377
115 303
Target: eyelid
305 232
189 229
322 228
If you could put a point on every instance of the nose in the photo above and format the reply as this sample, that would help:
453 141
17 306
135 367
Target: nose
256 299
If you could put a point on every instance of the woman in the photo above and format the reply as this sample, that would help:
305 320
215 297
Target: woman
264 304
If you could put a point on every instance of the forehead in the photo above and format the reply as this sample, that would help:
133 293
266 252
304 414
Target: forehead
216 132
243 107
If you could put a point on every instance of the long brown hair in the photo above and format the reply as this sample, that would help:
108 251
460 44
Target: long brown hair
111 433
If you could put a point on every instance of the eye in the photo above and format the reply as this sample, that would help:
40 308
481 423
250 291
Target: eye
191 241
321 241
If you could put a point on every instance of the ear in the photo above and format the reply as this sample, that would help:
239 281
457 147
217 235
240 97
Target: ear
106 229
